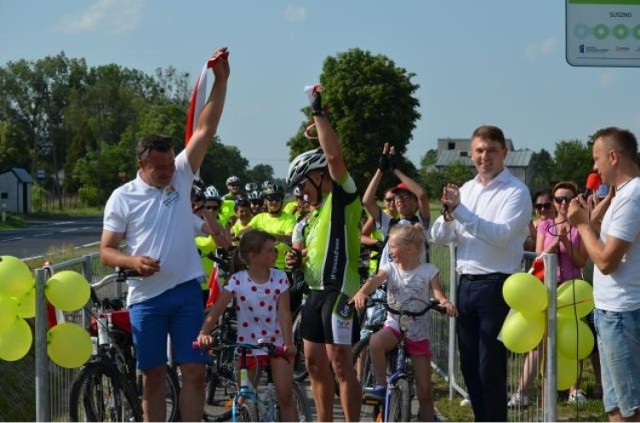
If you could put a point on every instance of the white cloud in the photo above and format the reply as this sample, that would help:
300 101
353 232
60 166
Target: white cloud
537 50
294 13
111 16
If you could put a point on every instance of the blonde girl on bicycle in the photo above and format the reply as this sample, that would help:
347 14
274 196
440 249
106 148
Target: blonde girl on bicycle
263 314
407 280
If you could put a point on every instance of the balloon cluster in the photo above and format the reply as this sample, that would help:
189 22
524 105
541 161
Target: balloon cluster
68 344
524 327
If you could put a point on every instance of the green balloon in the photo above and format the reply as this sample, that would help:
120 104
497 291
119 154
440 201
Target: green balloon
67 290
574 338
567 372
68 345
8 312
15 277
15 340
525 293
575 297
27 304
521 333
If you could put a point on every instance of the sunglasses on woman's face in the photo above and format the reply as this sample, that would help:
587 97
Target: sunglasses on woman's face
563 199
543 206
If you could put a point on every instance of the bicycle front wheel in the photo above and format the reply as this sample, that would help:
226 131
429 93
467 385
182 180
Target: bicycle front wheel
400 401
247 411
98 396
300 372
172 391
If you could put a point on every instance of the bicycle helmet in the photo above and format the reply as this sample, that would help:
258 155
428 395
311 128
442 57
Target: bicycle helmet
211 193
305 163
297 192
233 180
272 189
251 186
254 195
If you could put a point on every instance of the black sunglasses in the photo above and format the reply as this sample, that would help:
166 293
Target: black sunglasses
390 199
562 199
213 207
543 206
274 197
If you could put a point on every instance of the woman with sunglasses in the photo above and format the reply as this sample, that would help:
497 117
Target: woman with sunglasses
555 236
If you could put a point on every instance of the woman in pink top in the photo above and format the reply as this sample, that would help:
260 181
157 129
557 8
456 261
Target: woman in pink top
557 237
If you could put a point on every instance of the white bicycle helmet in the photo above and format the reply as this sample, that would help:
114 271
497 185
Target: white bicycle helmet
251 186
233 180
305 163
211 193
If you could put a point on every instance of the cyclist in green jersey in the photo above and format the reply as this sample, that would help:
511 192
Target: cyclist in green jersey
330 268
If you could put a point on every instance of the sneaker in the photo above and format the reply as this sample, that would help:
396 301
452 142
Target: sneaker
377 393
577 396
518 400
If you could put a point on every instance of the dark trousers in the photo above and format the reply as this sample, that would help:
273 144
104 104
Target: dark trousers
483 358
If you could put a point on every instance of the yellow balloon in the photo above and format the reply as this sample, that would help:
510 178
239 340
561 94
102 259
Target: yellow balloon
525 293
567 372
521 333
575 338
15 340
68 345
67 290
575 295
15 277
8 312
27 304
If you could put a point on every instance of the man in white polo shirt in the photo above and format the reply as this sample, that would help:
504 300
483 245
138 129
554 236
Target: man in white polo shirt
489 218
152 214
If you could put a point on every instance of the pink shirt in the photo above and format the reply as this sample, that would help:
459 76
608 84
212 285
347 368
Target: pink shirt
566 269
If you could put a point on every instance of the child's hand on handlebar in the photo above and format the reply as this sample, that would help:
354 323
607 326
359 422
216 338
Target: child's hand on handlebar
205 340
452 311
359 300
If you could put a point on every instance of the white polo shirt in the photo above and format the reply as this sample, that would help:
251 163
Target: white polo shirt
490 226
157 223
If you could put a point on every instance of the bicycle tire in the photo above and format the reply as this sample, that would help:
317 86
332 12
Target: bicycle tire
302 403
400 401
367 378
98 395
247 411
300 372
172 395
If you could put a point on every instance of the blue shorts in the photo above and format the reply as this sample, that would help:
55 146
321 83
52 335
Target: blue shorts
619 347
178 313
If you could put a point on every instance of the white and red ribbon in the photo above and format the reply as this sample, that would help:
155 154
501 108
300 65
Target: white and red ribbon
198 100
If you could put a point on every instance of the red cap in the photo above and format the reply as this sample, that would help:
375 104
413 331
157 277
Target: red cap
593 181
402 187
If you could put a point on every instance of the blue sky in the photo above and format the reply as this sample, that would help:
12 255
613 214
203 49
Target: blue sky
496 62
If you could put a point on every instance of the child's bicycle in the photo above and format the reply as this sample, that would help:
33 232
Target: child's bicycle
249 405
397 402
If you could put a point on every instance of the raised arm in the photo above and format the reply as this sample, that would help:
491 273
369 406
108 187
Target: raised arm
210 117
328 139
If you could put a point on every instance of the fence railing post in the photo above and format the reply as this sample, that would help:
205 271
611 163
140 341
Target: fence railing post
551 372
453 283
43 411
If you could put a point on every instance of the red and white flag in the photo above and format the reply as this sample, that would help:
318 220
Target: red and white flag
198 100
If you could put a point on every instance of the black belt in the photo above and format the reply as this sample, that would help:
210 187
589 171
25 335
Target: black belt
485 277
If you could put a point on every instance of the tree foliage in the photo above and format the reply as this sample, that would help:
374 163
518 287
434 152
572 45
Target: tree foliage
573 161
371 102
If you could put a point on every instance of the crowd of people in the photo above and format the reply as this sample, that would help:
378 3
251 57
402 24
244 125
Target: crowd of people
171 222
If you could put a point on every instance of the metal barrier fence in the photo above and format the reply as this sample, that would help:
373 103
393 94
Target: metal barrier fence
53 383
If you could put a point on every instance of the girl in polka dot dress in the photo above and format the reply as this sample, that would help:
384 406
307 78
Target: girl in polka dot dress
263 314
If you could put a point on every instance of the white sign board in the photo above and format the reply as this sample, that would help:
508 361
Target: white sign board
603 33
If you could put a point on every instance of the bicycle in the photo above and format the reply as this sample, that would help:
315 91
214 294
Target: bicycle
248 404
397 402
108 388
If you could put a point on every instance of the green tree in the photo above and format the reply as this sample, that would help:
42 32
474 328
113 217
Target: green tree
260 173
457 173
371 102
542 167
573 161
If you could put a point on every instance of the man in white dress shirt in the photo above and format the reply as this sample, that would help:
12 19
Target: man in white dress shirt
488 218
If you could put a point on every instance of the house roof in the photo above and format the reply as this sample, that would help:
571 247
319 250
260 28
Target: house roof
518 158
21 174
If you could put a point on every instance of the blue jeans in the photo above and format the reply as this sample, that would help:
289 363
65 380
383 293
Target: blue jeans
619 347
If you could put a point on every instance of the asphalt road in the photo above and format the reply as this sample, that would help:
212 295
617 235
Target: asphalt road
42 235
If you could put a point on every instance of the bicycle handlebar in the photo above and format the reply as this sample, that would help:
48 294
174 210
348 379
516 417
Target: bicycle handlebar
433 304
